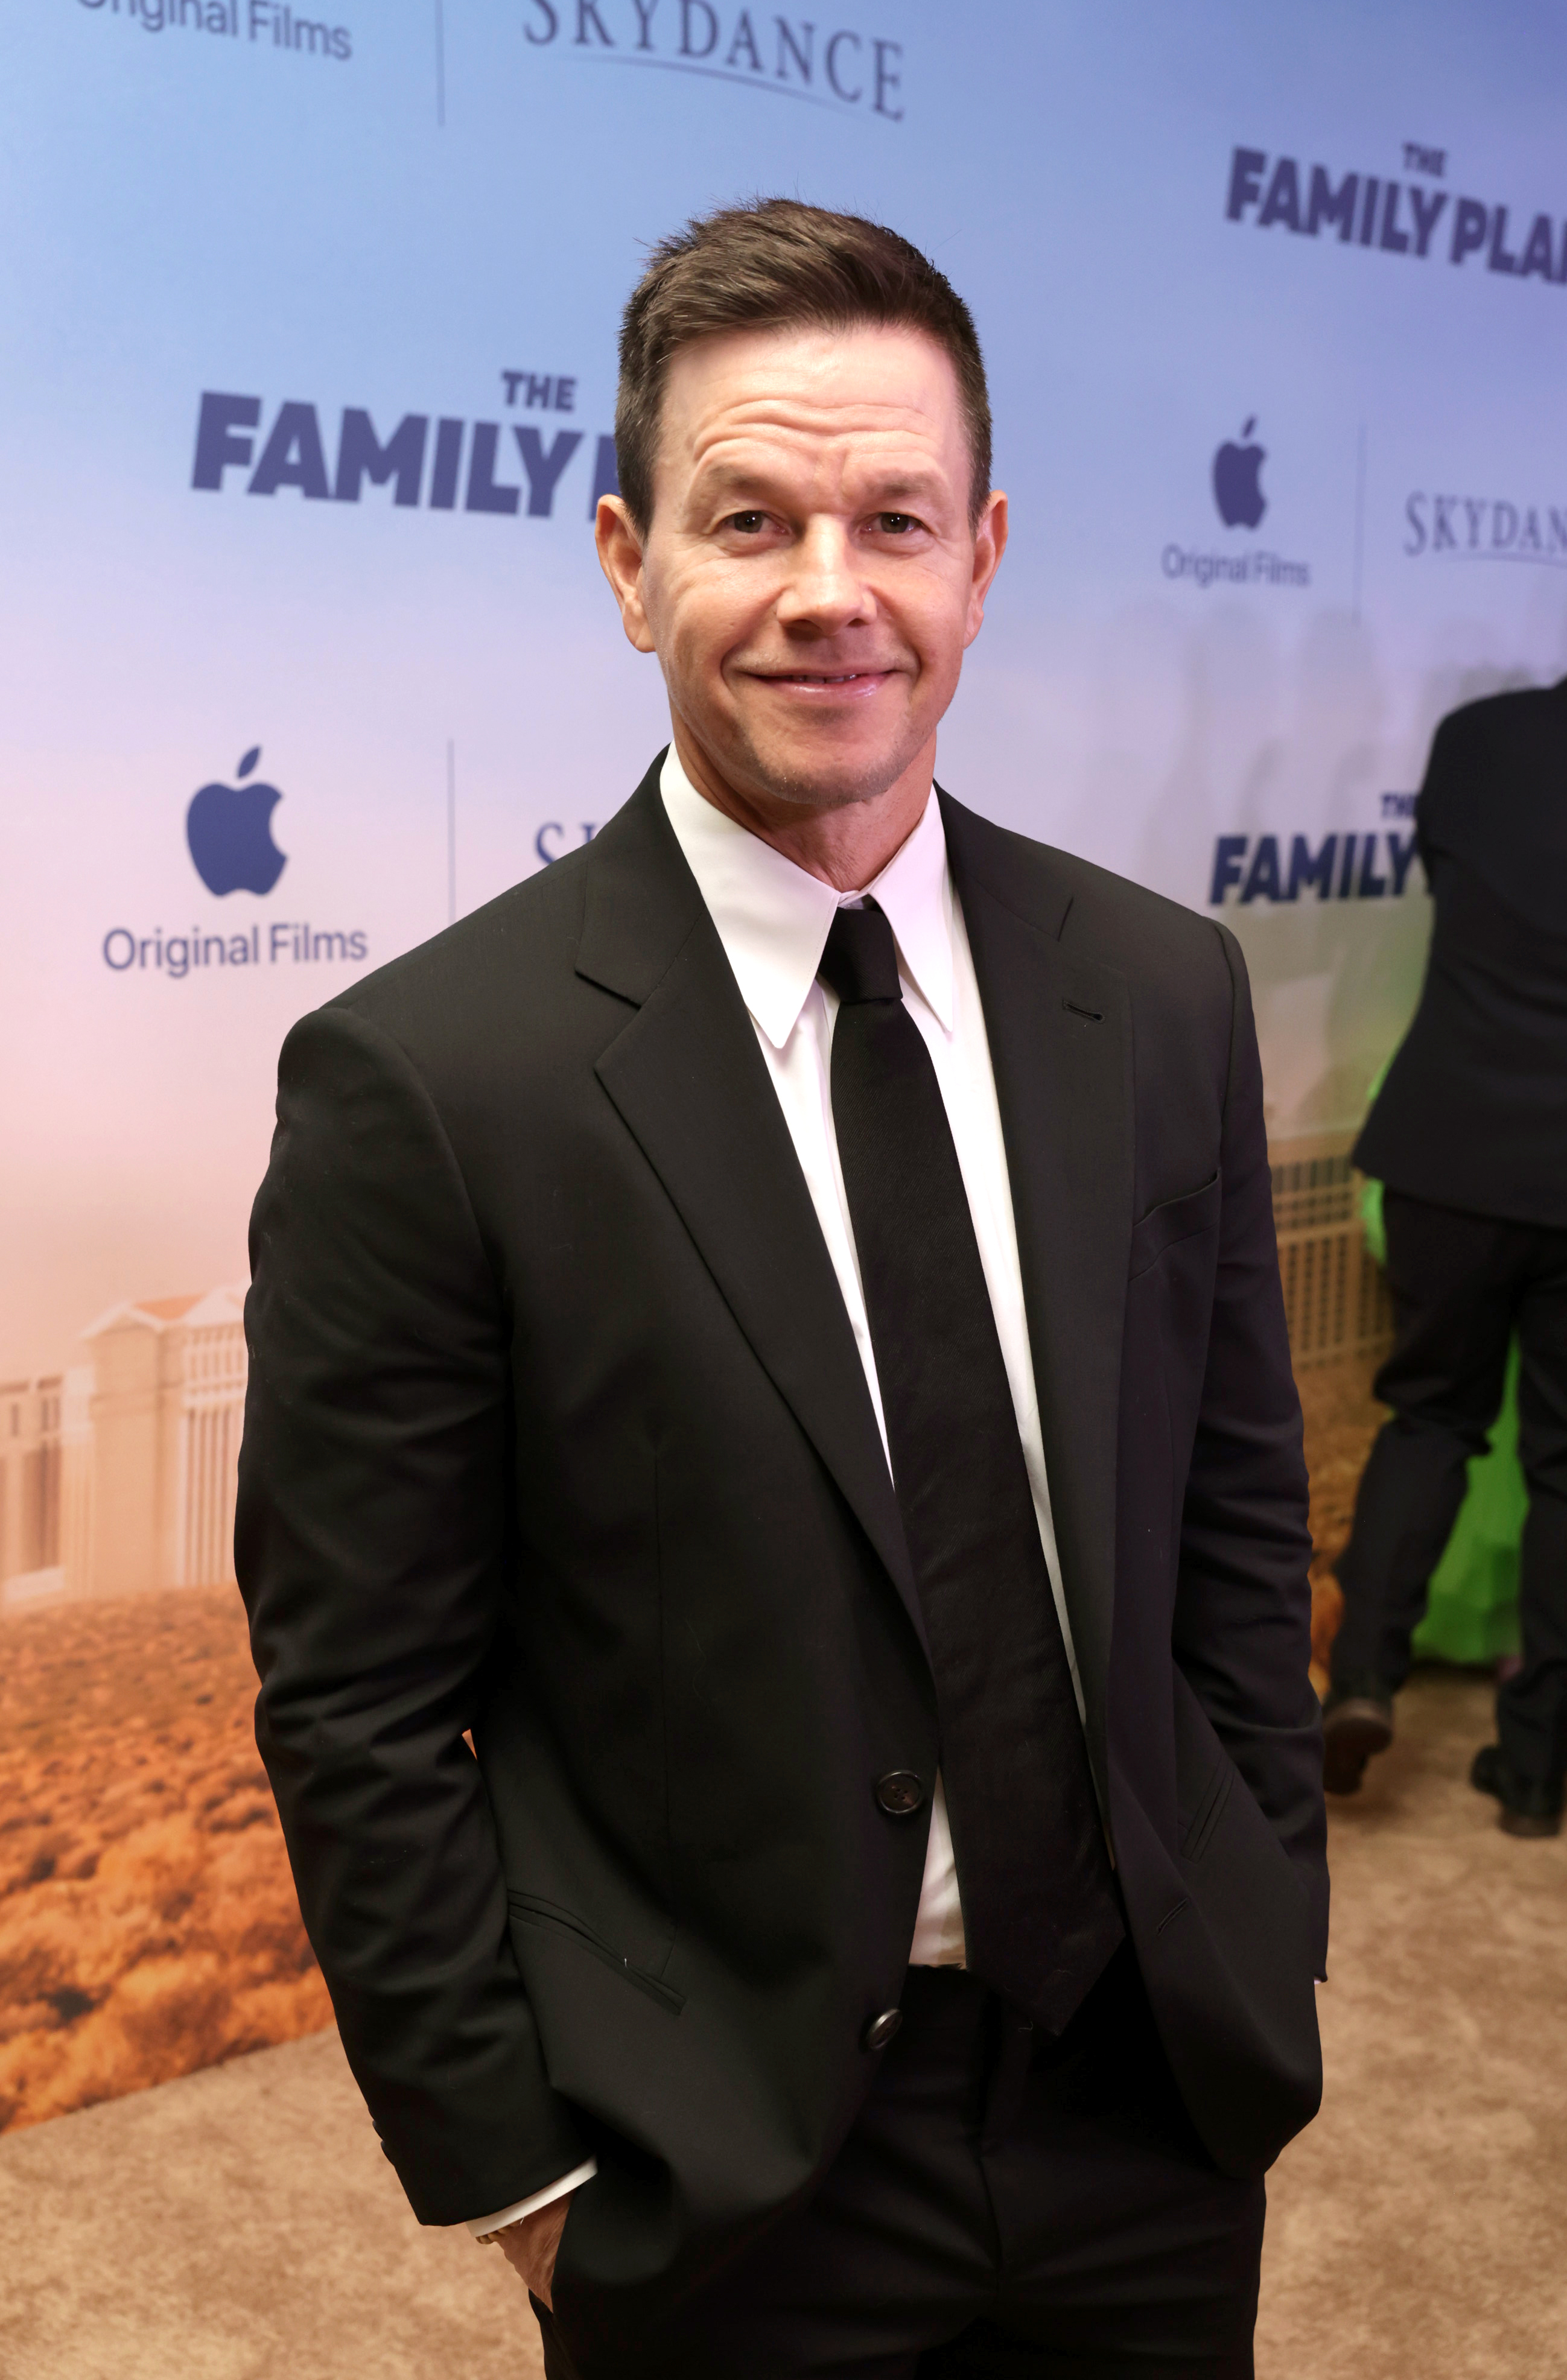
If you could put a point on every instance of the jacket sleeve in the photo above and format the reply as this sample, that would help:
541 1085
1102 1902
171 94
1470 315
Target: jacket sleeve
370 1544
1242 1606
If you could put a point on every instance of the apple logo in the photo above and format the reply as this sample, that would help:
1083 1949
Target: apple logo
1236 490
229 831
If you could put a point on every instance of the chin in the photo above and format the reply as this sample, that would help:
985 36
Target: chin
833 786
822 778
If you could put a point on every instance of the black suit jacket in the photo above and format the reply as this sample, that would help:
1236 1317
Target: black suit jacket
1474 1109
557 1432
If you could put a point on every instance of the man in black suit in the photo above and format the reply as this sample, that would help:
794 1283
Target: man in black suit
774 1326
1469 1136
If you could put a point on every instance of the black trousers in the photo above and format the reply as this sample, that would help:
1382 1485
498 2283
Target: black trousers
1003 2207
1461 1285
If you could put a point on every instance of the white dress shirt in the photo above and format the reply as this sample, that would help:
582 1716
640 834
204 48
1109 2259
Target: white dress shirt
773 919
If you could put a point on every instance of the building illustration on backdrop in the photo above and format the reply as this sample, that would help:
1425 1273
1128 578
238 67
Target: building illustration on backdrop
117 1473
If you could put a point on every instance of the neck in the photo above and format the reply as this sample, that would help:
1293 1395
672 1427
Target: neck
847 846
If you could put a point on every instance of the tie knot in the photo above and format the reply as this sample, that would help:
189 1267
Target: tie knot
860 962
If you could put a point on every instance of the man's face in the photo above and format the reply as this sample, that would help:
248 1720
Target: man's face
809 579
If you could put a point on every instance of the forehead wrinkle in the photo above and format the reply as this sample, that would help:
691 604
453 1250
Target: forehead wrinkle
735 455
795 419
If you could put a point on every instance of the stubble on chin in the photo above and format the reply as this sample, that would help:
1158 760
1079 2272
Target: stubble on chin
824 782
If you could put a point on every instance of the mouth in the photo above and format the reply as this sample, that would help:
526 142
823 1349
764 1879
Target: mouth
810 682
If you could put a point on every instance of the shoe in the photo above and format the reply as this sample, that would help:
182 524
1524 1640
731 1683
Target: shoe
1354 1726
1528 1807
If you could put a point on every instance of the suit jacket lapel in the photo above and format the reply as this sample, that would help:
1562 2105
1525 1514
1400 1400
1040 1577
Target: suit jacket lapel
1060 1048
692 1086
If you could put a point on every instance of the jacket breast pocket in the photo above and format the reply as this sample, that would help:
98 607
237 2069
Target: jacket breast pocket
1176 1218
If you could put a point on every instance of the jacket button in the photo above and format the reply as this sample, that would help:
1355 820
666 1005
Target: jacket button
900 1792
880 2029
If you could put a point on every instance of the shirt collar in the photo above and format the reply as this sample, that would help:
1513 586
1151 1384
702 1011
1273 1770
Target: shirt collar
773 918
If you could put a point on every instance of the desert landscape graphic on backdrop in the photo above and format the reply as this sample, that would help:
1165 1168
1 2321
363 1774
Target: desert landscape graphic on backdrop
147 1922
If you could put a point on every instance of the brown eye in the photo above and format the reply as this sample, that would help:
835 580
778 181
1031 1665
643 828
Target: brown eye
896 524
748 524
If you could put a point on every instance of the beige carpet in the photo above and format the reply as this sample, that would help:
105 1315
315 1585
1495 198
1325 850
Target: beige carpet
243 2223
240 2225
1415 2231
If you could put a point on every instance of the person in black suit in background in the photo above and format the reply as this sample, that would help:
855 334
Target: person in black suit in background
774 1326
1469 1137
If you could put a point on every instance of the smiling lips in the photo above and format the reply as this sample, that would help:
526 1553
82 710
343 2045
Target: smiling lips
824 681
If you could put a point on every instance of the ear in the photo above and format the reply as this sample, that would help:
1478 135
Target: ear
989 544
620 558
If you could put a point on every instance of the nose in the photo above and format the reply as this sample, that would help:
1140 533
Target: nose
824 591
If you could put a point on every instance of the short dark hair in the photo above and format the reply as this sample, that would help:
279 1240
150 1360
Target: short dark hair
766 265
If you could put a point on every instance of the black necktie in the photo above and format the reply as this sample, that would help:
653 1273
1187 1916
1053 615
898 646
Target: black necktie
1040 1910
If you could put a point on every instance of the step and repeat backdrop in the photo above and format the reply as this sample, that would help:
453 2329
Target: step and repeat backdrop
311 326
